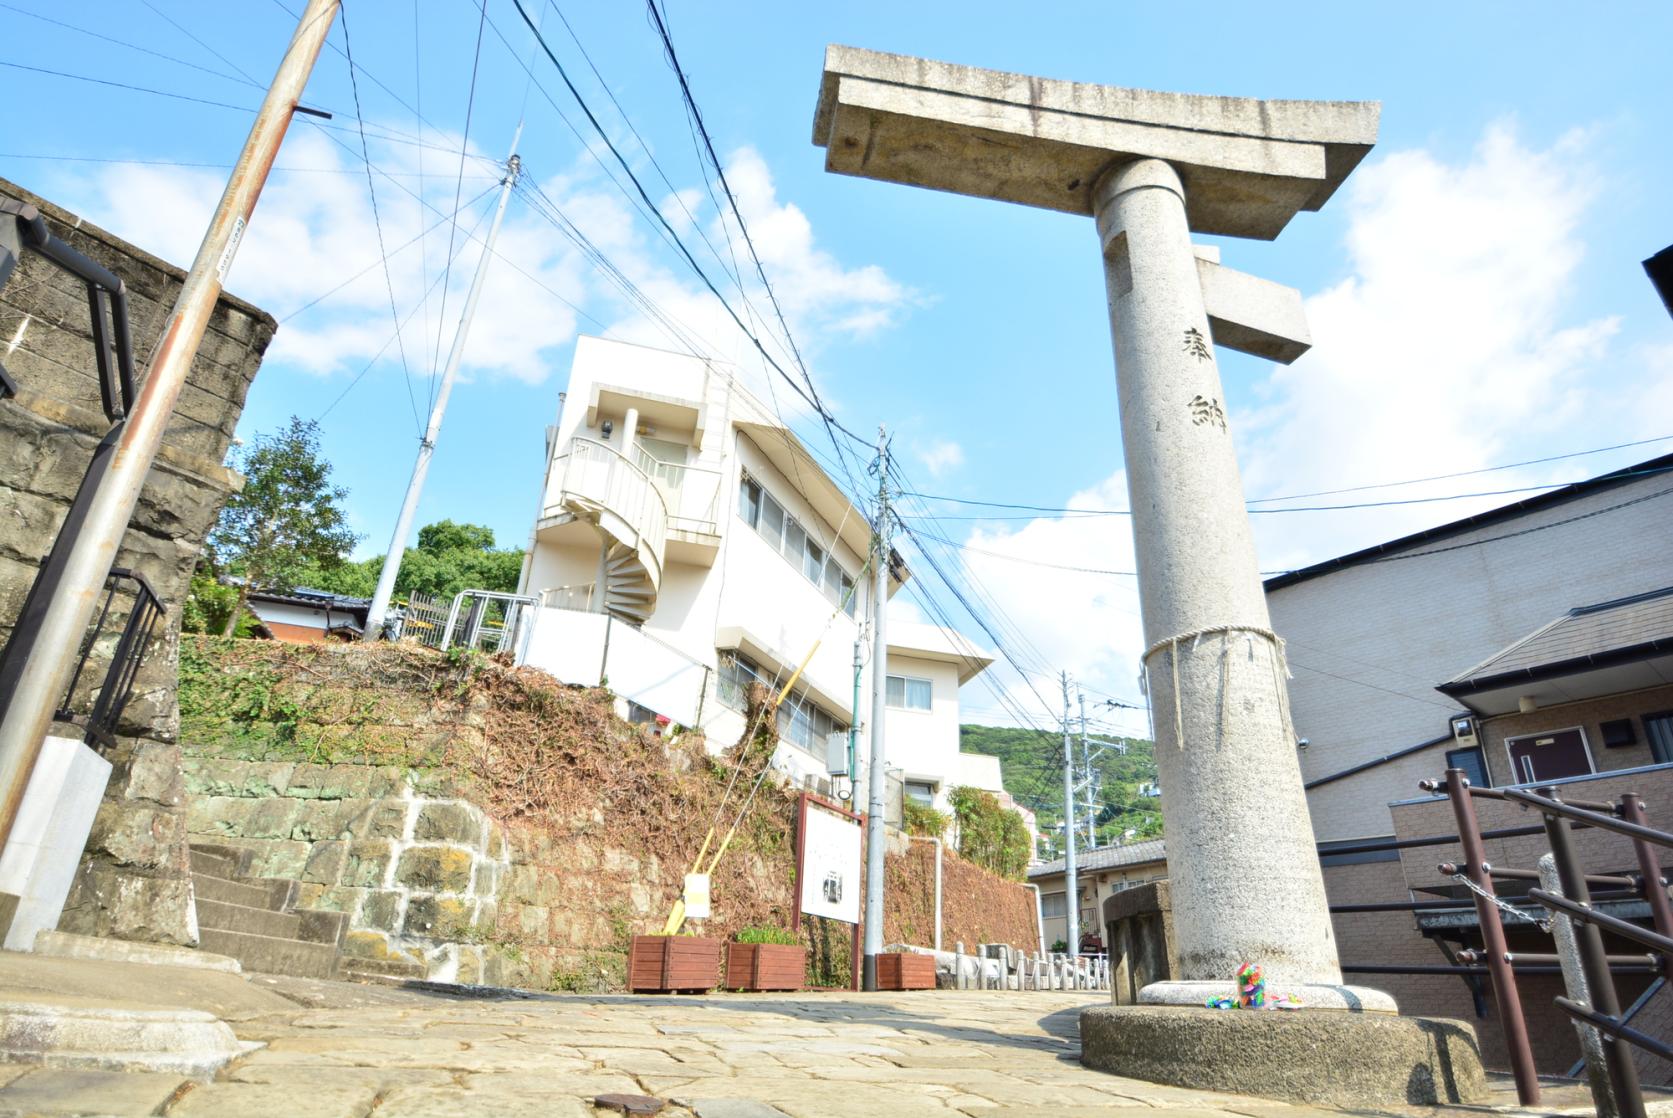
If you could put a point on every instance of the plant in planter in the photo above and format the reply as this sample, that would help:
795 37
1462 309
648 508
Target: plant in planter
684 964
765 959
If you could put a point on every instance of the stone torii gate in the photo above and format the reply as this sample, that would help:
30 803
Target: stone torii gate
1152 168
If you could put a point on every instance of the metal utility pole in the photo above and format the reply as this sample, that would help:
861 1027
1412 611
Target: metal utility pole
1071 883
875 773
1092 783
28 716
427 448
854 721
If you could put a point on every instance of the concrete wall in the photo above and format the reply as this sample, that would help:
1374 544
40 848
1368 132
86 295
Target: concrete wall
1368 643
133 880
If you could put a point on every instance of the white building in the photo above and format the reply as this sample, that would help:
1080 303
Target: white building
687 545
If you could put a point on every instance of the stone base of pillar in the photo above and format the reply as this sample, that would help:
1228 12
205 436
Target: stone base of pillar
1301 1055
1357 999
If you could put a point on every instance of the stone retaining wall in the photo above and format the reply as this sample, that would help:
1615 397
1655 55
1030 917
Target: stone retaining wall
133 881
427 876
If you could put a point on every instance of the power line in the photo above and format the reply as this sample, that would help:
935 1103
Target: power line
679 245
54 158
1466 473
377 218
132 46
1073 513
470 105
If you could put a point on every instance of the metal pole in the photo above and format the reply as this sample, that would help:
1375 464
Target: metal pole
875 773
1649 867
427 448
854 722
1091 787
1493 936
1072 883
1600 984
26 719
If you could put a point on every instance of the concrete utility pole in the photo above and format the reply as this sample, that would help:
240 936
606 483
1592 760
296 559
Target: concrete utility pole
26 719
875 773
1071 882
427 448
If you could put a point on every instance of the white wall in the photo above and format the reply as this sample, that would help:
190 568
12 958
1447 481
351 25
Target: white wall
1368 644
924 744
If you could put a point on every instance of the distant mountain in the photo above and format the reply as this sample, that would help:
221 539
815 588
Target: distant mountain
1033 765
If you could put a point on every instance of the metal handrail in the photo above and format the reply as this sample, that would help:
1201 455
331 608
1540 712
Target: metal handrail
118 686
673 474
1615 1028
1592 818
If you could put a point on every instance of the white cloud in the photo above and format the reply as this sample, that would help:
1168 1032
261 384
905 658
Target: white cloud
1447 348
940 456
315 230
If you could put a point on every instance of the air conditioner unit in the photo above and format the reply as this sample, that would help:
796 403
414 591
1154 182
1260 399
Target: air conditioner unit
1464 729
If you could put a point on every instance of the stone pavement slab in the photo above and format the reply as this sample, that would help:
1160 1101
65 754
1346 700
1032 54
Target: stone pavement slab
336 1051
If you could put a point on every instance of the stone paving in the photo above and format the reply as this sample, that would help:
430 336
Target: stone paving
349 1051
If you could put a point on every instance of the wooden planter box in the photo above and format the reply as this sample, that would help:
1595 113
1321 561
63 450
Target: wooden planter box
905 970
673 964
765 966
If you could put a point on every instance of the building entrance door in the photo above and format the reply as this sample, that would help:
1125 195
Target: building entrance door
1553 756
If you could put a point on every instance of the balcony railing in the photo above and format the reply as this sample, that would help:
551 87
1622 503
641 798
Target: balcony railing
599 476
692 494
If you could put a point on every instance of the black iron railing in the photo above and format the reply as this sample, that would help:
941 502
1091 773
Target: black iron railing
144 610
1497 963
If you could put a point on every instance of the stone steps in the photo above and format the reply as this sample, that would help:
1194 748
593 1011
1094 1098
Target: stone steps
225 917
379 969
255 919
227 891
271 954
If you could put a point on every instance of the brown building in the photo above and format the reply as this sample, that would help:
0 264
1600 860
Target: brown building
1529 645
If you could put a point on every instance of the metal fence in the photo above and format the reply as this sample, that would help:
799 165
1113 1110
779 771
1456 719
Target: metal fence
1589 973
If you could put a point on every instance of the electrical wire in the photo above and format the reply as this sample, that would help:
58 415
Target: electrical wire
377 218
470 106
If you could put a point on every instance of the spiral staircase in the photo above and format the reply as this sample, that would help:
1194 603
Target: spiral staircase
597 486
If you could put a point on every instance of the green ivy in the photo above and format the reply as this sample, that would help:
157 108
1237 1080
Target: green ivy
990 834
767 934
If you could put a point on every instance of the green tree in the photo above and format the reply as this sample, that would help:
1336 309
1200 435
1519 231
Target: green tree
450 557
286 522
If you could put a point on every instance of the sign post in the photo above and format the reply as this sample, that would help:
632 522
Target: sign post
828 866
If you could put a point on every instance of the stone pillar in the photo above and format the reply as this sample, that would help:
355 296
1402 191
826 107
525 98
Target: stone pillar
1242 867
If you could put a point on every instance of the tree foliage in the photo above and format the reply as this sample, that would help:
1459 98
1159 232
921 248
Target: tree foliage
286 522
1032 761
990 834
450 557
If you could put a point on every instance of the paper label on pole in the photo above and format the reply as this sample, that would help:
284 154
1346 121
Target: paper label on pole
696 896
231 250
830 869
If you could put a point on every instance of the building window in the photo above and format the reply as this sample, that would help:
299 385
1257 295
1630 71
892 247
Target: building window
1472 762
1658 729
785 535
904 692
799 720
1054 906
921 792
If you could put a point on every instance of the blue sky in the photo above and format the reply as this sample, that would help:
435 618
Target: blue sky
1475 291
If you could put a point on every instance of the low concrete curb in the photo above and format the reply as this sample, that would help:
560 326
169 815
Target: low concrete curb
1302 1055
83 1033
63 945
